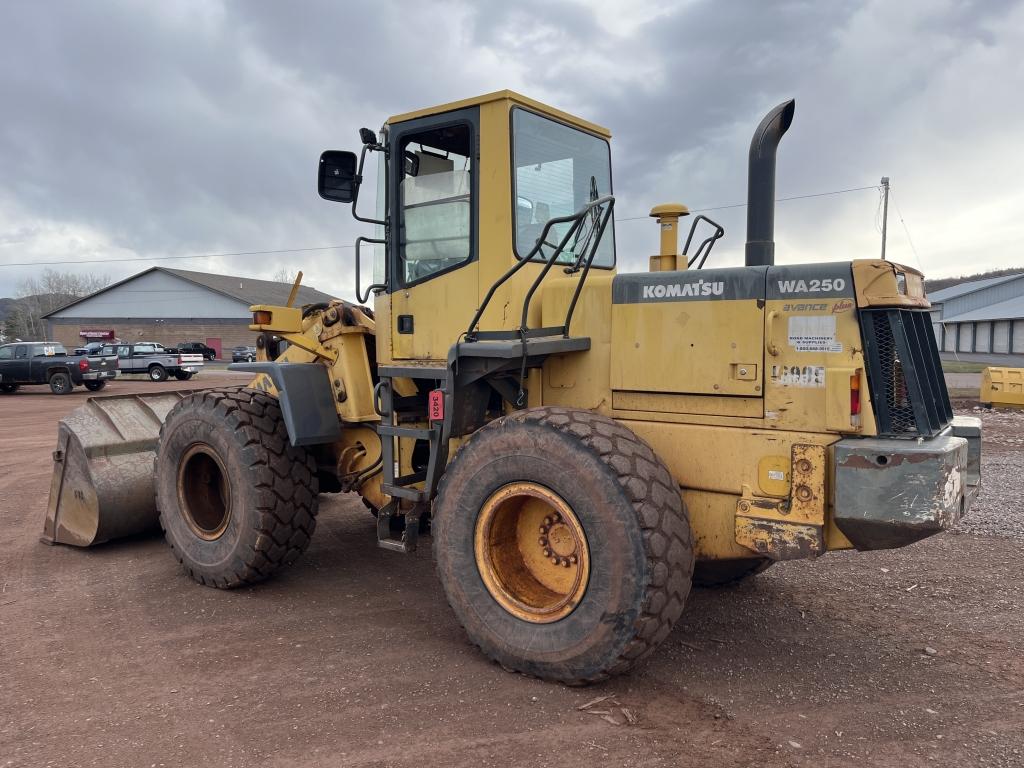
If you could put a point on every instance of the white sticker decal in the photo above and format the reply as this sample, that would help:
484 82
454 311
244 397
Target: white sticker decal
814 333
798 375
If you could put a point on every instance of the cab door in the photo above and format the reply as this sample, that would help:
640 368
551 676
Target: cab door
433 190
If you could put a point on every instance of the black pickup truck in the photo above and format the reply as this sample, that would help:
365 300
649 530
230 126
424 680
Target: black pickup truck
47 362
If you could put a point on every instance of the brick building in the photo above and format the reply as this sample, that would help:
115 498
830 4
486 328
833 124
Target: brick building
171 306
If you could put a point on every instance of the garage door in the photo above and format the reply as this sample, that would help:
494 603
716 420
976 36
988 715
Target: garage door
981 337
966 337
1001 336
950 345
937 328
1018 337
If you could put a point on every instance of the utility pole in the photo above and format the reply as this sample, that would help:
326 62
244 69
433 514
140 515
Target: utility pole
885 210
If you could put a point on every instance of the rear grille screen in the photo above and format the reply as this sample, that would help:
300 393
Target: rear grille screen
908 390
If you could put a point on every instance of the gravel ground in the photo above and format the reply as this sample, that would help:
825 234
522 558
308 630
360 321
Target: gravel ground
351 657
999 510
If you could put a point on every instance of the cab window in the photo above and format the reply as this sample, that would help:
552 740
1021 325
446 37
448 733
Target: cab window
435 193
6 353
21 352
557 170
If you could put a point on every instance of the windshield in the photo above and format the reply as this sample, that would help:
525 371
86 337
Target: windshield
558 170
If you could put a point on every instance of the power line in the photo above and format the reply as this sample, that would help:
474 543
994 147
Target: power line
168 258
777 200
910 240
338 247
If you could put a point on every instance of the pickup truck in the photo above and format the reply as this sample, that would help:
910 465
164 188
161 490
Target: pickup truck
198 348
157 364
47 362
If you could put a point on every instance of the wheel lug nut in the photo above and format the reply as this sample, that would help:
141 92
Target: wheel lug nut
572 558
542 541
543 529
554 560
547 552
565 563
548 521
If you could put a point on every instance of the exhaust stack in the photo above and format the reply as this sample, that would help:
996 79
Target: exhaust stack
760 249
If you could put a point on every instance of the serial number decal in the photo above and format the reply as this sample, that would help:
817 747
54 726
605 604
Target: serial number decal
678 290
799 375
825 285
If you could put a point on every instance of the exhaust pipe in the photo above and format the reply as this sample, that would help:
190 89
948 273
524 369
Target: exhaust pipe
760 249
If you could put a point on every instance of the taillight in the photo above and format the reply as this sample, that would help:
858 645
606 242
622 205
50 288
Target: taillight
83 365
855 398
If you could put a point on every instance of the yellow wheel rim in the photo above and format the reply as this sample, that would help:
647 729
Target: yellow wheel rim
531 552
203 492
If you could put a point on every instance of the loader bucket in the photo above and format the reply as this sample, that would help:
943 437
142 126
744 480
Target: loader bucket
103 486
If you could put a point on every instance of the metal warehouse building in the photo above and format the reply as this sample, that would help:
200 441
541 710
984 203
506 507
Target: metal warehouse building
981 320
171 306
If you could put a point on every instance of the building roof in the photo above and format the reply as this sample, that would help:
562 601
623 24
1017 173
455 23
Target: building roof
1011 309
962 289
243 289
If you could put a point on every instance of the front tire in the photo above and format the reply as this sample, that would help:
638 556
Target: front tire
60 383
237 501
157 373
563 544
8 389
95 386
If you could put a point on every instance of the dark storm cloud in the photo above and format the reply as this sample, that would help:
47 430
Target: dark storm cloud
163 129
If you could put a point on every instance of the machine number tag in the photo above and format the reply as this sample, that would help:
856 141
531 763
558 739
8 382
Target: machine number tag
435 405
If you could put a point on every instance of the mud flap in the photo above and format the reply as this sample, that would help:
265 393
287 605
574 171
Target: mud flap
102 486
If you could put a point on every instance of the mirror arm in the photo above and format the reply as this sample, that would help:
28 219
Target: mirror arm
358 182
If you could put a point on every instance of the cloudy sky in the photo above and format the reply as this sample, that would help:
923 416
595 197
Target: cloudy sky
137 130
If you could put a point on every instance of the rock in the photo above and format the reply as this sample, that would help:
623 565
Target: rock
930 651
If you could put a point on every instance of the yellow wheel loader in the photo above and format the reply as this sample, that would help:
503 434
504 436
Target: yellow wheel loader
583 445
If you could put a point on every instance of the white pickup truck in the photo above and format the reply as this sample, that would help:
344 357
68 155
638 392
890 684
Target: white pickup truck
157 363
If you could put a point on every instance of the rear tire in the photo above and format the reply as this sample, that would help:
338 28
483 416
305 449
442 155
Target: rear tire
8 389
157 373
183 375
725 573
624 531
60 383
95 386
237 501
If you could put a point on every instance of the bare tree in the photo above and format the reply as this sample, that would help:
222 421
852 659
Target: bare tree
285 275
40 295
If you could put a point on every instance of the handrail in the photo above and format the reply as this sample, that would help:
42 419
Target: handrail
577 221
369 289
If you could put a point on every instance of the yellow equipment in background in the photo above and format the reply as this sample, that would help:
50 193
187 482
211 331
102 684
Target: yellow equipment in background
584 444
1002 386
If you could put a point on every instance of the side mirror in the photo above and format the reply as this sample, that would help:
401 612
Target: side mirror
337 180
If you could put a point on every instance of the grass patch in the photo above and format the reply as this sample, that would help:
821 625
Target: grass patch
958 366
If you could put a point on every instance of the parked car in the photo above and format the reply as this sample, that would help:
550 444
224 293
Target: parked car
243 354
47 362
92 348
198 348
157 364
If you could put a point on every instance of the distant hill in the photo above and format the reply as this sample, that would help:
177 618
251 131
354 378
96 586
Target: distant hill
945 282
6 305
47 302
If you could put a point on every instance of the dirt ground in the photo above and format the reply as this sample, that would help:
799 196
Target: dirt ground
113 657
